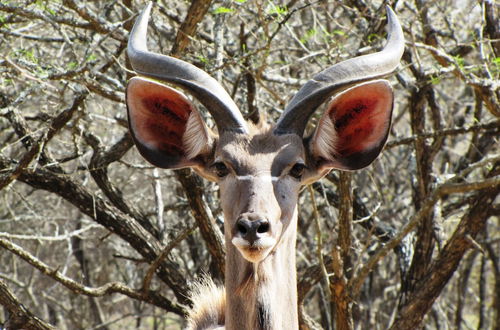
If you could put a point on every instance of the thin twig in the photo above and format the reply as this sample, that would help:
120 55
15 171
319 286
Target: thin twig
154 266
445 189
50 238
20 316
57 124
445 132
107 289
319 240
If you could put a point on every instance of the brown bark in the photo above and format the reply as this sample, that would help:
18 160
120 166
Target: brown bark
193 187
19 316
77 247
187 30
342 266
491 27
192 184
111 218
420 301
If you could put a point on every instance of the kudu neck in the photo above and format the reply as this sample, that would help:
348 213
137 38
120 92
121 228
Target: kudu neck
263 295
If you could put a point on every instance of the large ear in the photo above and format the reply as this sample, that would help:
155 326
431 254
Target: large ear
166 127
354 127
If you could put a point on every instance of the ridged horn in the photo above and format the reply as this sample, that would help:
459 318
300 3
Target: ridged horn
340 76
197 82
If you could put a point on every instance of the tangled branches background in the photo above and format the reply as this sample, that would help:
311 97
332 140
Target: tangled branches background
92 237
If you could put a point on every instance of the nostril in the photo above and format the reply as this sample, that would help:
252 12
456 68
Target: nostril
242 229
252 230
263 228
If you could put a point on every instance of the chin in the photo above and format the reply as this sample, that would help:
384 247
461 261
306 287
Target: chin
255 252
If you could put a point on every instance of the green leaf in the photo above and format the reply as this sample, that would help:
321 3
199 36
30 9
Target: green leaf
435 80
7 81
72 65
460 61
91 58
222 10
496 65
42 4
309 34
278 10
372 37
26 54
338 32
203 59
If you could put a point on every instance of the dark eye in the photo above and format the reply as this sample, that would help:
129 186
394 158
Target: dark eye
221 169
297 170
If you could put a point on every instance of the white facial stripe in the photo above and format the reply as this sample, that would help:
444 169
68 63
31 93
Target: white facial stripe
265 177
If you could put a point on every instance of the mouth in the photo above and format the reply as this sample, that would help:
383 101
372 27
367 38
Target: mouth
254 251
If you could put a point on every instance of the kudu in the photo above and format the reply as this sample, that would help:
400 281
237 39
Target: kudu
259 168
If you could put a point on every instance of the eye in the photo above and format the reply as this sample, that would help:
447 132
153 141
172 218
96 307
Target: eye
221 169
297 170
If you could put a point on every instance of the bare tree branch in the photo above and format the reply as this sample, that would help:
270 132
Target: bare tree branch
109 288
20 317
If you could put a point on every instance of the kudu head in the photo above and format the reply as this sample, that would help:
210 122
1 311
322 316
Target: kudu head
260 169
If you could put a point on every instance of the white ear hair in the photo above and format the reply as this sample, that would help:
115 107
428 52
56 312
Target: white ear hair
324 140
196 138
354 127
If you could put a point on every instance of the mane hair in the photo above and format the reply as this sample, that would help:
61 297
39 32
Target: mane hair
209 303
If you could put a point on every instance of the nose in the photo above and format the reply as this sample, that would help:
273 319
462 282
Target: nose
252 230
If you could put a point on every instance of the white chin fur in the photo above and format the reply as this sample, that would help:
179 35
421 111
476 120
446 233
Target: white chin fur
256 252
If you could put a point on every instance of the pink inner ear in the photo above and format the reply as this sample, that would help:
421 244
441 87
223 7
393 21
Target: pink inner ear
158 115
361 117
